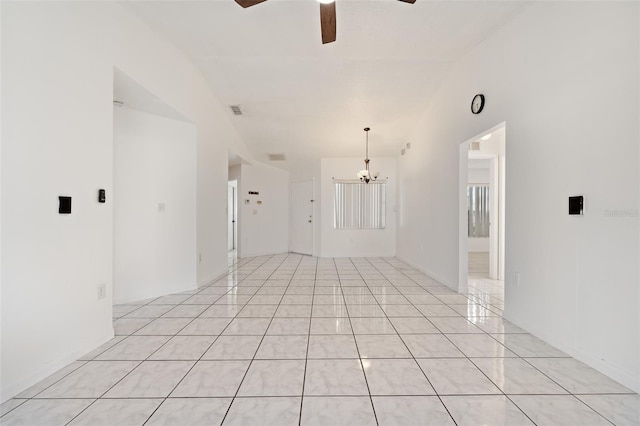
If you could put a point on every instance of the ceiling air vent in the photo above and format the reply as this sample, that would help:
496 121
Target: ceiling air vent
474 146
276 157
236 109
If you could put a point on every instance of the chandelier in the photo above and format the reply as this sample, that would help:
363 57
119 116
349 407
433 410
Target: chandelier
365 175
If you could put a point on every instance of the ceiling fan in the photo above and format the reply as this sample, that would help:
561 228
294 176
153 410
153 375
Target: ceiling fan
327 16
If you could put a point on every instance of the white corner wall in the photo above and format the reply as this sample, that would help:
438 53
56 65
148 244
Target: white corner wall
263 227
564 78
154 205
57 139
356 242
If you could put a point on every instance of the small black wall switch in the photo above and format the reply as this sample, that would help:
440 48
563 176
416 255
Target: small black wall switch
65 205
102 196
576 205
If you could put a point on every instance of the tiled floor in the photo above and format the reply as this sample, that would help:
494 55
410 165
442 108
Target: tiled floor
289 339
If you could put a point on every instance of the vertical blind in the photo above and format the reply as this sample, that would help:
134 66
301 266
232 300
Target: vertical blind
478 211
359 205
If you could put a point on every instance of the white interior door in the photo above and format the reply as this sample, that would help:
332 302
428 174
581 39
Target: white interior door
232 215
302 217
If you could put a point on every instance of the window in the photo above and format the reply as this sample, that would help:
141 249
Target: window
478 211
359 205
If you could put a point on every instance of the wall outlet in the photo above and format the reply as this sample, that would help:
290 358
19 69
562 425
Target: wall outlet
199 257
102 291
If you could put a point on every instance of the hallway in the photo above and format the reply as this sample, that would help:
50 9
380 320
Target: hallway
290 339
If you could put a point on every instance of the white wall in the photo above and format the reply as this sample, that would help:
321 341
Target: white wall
356 242
57 138
263 228
478 175
154 163
569 97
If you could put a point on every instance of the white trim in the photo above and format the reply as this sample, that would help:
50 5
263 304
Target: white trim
430 274
48 369
464 155
623 376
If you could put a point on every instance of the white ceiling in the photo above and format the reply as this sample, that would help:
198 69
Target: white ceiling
309 100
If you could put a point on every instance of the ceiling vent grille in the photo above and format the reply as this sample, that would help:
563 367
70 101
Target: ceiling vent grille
236 109
276 157
474 146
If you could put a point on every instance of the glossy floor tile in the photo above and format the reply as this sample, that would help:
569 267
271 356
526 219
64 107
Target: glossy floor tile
495 410
122 412
297 340
337 411
558 410
335 377
45 412
190 411
411 410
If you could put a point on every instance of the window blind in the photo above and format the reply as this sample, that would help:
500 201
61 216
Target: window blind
359 205
478 211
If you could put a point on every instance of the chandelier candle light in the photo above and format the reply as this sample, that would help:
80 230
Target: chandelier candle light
365 175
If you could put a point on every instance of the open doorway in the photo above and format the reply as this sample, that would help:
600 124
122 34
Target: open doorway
234 214
482 214
154 195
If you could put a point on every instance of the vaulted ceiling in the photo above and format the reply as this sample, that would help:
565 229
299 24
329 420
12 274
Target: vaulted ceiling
309 100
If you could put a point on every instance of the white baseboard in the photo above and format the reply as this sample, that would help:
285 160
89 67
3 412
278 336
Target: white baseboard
267 253
621 375
164 292
212 277
430 274
10 390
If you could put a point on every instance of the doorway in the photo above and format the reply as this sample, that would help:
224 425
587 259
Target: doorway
302 217
232 209
154 195
482 212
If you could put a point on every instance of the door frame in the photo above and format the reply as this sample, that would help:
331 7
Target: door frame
463 178
314 207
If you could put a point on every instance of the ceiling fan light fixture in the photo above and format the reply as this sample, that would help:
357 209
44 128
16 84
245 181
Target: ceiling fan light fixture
327 16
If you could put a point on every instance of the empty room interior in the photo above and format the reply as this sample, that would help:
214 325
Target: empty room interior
317 212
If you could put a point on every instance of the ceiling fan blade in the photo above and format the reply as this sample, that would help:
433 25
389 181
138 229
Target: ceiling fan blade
406 1
327 22
249 3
